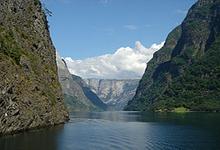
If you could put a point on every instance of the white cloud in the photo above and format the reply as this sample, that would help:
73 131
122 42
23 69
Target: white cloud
125 63
131 27
104 2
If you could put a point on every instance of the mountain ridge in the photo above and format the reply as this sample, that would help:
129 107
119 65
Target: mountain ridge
76 96
115 93
188 77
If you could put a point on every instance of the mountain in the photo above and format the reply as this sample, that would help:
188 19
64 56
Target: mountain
74 90
89 93
30 94
114 93
185 73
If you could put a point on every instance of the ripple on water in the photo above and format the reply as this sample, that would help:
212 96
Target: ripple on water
120 131
113 135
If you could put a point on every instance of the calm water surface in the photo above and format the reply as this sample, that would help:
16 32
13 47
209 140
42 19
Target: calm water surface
124 131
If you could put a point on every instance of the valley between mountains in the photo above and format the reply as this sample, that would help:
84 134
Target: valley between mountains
38 88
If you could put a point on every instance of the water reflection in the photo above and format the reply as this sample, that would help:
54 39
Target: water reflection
33 140
124 130
201 119
107 115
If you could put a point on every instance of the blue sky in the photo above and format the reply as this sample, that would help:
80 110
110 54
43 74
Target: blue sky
88 28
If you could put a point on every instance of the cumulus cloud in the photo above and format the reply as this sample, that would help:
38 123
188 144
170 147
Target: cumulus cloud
125 63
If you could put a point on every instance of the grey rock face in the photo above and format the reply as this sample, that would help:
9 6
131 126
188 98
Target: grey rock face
89 93
115 93
74 96
30 94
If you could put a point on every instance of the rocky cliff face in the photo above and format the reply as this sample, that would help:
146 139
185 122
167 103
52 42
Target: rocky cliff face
30 94
74 96
185 72
89 93
115 93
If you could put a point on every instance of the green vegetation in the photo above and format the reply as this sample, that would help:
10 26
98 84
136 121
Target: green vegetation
9 46
32 94
36 2
181 110
199 87
189 78
74 104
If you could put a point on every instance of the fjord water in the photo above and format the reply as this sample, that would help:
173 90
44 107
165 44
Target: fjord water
125 131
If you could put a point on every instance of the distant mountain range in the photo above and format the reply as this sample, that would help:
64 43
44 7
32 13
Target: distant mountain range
114 93
89 93
77 96
94 94
185 73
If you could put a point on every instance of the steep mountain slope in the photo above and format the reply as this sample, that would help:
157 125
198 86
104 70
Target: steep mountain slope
185 72
30 94
89 93
115 93
74 96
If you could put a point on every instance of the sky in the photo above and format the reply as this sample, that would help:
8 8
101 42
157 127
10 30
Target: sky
90 29
124 63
